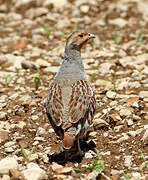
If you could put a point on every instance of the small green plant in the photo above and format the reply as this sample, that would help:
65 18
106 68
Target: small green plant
75 26
7 79
27 156
139 37
46 29
126 177
64 36
92 77
98 165
114 84
143 157
117 38
37 81
77 170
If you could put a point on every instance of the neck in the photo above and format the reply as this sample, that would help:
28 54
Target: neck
72 54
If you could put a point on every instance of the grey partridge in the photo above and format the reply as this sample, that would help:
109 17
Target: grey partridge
71 104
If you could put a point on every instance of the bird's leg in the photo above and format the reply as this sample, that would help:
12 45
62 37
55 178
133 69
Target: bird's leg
66 155
80 152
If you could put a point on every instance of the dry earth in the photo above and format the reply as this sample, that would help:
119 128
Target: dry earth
32 39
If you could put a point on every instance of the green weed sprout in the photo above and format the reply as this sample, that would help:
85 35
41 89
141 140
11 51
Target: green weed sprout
117 38
27 156
98 165
146 163
139 37
75 26
114 84
37 81
46 29
92 77
7 79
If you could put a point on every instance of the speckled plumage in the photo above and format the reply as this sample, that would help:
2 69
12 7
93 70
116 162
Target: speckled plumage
71 102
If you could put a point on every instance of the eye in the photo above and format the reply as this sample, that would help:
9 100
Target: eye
80 35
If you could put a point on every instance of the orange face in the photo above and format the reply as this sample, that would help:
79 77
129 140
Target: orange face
78 39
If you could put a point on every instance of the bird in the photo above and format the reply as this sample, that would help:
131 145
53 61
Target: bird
71 103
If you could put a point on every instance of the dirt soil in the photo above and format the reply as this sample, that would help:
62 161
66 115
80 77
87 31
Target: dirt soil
32 40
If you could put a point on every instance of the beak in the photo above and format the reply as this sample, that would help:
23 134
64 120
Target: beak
91 35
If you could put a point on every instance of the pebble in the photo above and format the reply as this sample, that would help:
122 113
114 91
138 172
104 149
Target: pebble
35 173
118 22
6 164
143 94
4 135
25 99
8 144
84 8
105 68
124 138
34 117
59 169
88 155
125 112
9 149
5 177
145 136
128 161
40 131
111 94
3 115
132 133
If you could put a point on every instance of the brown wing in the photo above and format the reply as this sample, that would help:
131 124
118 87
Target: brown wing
82 99
54 108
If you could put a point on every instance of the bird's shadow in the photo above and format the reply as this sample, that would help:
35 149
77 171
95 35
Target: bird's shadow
60 157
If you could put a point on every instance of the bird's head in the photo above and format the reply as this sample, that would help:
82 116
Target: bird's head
78 39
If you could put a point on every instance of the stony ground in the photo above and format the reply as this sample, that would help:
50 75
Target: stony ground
32 39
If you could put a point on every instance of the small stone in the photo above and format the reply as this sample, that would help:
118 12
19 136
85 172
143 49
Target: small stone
59 169
129 122
132 133
132 100
29 65
40 131
51 130
25 100
111 94
39 138
3 136
128 161
105 68
34 174
16 175
125 112
9 149
88 155
124 138
34 117
42 63
93 134
32 165
116 118
118 22
145 136
84 8
143 94
52 69
136 175
9 144
56 166
93 175
97 123
6 164
5 177
3 115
